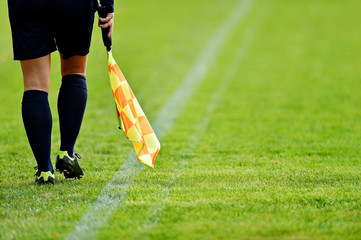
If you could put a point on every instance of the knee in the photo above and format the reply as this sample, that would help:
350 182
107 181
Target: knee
36 73
74 65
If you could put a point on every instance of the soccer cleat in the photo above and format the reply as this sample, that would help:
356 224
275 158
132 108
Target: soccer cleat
68 165
42 178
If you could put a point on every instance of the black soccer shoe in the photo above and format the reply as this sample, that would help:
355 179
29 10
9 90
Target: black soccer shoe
69 166
42 178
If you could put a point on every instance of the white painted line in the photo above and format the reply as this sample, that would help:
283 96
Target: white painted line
115 191
151 221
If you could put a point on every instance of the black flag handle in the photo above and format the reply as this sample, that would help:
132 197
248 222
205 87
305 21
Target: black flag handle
102 11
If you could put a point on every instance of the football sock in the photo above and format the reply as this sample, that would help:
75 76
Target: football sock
38 123
72 100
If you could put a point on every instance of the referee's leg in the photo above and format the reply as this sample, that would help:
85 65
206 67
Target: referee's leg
36 111
72 100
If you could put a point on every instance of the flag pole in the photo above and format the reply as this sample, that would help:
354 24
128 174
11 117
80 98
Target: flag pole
102 11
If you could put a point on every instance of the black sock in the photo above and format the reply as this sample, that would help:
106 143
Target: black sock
71 106
38 123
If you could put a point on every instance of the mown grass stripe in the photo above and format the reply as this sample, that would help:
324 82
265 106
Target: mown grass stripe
197 136
114 192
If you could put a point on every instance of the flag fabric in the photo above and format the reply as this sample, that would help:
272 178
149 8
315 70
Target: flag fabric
131 116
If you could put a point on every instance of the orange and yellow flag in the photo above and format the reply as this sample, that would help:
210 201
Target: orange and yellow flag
131 116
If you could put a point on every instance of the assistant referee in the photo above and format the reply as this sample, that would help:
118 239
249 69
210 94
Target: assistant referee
40 27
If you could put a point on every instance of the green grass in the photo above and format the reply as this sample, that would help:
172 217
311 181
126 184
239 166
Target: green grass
280 154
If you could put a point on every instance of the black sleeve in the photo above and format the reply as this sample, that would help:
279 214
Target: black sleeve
109 4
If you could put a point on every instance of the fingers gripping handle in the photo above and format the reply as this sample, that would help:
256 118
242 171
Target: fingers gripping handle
102 11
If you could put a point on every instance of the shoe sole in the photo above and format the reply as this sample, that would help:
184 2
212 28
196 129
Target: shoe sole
42 182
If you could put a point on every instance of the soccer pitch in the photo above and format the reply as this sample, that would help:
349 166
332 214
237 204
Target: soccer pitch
257 106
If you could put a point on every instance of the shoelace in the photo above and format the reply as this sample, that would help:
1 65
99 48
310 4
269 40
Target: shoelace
77 156
37 172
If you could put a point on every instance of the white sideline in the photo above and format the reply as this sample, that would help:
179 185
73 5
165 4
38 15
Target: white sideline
114 192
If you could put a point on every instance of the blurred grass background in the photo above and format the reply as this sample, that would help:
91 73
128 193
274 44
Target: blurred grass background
280 156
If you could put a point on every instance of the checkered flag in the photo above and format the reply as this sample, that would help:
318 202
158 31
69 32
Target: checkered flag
131 116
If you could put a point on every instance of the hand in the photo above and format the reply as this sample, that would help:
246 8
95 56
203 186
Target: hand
107 22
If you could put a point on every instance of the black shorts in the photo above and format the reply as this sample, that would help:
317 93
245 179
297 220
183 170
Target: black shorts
39 27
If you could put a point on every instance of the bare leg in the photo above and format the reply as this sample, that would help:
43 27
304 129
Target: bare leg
36 73
74 65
